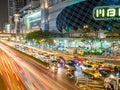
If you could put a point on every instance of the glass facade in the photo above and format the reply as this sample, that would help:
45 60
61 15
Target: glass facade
77 15
33 21
53 2
19 4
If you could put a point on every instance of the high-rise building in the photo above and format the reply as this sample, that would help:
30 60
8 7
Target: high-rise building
13 8
30 16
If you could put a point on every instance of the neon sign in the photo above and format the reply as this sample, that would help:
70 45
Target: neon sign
106 12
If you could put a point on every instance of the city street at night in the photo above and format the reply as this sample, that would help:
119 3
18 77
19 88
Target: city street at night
29 74
32 75
60 45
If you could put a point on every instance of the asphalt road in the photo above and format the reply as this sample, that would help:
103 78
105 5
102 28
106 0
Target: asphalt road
2 84
9 72
30 75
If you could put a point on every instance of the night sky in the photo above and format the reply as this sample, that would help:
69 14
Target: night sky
3 12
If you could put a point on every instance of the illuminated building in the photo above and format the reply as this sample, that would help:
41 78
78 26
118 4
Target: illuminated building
80 14
13 8
70 14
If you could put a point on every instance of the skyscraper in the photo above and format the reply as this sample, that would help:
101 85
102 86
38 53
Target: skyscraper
13 8
3 13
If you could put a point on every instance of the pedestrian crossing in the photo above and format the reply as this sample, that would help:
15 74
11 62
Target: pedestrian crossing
89 83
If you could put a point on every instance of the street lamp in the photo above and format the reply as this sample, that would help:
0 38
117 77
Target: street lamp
16 20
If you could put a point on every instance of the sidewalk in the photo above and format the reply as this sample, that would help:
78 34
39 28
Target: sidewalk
89 56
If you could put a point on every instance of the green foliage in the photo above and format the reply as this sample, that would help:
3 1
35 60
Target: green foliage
40 37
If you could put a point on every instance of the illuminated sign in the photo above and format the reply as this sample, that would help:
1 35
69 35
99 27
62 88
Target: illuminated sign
33 20
106 12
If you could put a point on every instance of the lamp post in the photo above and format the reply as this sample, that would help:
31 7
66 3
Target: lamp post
16 20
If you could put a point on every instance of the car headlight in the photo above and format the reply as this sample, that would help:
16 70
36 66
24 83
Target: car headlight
95 75
53 68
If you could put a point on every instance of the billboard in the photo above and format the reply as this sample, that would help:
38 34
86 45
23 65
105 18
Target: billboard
106 12
33 20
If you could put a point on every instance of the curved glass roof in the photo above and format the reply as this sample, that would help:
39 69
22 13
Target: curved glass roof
80 14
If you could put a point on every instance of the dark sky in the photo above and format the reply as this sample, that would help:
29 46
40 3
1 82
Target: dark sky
3 12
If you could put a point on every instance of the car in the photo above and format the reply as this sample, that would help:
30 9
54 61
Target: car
86 66
96 64
92 73
62 48
105 70
70 72
51 56
69 64
53 66
17 46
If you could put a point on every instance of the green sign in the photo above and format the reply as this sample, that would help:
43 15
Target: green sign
106 12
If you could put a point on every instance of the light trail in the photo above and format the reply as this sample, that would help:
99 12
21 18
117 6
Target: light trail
32 75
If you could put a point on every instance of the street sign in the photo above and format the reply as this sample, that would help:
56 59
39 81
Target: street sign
106 13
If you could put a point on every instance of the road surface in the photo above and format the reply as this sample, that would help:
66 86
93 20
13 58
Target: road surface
23 73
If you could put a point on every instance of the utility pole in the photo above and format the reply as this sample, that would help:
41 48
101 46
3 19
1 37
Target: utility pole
16 20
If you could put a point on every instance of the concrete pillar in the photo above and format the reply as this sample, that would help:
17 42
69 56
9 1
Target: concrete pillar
44 14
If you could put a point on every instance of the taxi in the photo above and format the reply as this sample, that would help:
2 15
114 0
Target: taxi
92 73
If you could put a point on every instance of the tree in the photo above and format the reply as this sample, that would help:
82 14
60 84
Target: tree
40 36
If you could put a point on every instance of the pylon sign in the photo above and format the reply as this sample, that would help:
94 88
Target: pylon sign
106 12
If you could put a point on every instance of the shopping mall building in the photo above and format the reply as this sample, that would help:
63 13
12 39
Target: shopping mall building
70 15
66 15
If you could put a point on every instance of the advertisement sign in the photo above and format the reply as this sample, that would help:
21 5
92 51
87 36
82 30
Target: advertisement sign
33 20
106 12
